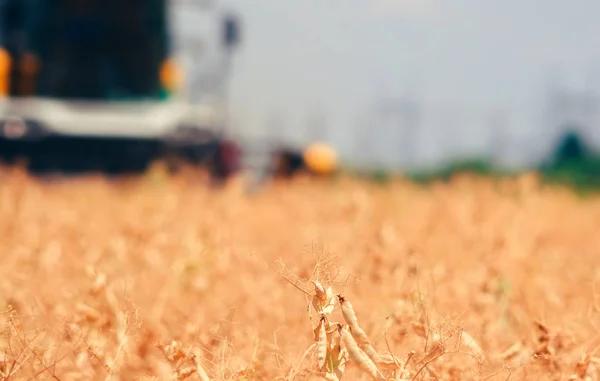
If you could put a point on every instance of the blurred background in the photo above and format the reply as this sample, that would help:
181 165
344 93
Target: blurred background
390 85
403 83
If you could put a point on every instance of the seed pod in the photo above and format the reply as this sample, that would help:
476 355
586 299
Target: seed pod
359 357
468 341
321 344
359 334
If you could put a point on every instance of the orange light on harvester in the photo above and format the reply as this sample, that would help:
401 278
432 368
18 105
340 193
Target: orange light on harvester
171 75
320 158
5 66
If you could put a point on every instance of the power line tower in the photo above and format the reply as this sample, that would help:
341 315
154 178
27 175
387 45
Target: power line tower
553 111
593 87
399 121
363 149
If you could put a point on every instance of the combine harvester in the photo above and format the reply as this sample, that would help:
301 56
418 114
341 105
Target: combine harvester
112 85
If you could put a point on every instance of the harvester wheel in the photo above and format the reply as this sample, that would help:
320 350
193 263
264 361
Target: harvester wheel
225 160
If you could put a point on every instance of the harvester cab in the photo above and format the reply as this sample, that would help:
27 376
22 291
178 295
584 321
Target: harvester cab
113 84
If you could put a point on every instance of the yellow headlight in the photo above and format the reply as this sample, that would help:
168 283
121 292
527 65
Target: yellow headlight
171 75
320 158
5 66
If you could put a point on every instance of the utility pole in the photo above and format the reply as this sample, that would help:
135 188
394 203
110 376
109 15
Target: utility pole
498 143
362 145
403 116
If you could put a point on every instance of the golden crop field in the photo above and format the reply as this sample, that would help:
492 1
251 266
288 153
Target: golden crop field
166 279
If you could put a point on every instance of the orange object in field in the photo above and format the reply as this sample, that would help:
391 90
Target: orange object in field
5 65
320 158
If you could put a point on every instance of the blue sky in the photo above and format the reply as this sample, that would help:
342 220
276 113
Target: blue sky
339 55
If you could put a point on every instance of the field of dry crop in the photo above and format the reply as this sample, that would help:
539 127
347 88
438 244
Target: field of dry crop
162 279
